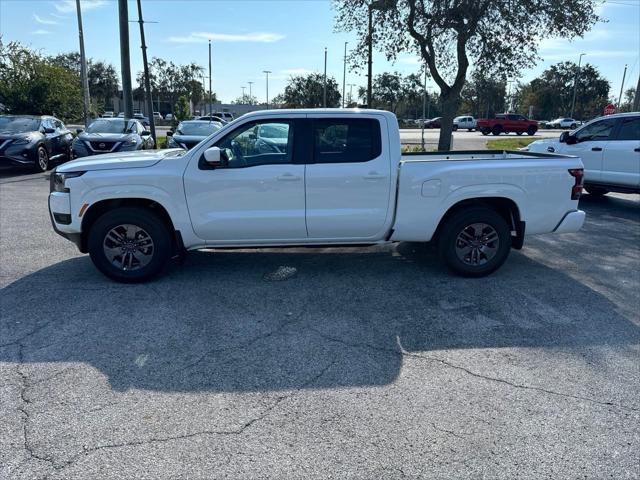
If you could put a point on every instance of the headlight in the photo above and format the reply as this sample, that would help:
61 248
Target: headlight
131 141
22 141
172 143
57 180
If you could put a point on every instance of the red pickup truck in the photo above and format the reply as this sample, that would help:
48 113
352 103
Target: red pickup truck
507 122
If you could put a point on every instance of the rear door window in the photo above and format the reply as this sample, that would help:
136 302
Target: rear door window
346 140
629 129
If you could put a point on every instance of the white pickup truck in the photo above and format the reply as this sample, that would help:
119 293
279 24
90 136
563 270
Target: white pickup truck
310 177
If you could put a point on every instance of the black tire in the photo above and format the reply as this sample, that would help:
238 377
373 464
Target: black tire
455 128
150 224
573 126
42 159
454 226
496 130
485 131
531 130
596 191
519 133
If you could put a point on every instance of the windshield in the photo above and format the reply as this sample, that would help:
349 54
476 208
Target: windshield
200 129
109 126
19 124
274 131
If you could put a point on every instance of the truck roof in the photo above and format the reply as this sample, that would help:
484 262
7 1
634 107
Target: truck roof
316 111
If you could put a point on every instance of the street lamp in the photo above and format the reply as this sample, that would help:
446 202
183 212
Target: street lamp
267 72
575 85
371 6
351 85
250 94
344 73
244 100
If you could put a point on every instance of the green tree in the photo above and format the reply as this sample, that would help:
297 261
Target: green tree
483 95
32 84
170 81
182 111
551 94
449 35
306 91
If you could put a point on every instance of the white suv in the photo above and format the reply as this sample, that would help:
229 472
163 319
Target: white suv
609 148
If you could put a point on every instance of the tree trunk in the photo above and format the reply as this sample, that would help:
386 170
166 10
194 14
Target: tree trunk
449 103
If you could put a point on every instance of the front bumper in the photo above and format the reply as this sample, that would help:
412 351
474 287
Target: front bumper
572 222
18 156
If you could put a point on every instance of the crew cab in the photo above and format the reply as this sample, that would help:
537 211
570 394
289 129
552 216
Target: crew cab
310 177
465 122
610 149
506 123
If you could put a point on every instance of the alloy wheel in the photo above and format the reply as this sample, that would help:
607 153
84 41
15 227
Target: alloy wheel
477 244
128 247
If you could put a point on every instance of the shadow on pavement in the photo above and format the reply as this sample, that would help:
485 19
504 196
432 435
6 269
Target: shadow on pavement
216 324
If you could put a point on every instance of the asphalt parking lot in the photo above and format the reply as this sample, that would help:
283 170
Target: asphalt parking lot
367 363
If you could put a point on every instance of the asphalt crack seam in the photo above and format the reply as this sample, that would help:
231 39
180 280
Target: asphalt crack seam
239 431
403 353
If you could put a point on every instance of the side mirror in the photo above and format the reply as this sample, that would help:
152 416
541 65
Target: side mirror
571 139
215 157
169 133
49 130
563 137
79 130
252 136
145 133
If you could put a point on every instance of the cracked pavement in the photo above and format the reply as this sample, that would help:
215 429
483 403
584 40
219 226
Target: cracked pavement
368 363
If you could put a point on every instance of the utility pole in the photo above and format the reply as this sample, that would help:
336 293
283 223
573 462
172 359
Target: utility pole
83 70
575 85
324 87
147 83
250 94
125 63
370 55
636 97
624 75
267 72
244 100
344 74
210 76
424 104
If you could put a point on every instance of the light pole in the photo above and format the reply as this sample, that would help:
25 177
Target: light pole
125 63
624 76
250 94
244 100
575 85
351 85
147 83
267 72
344 73
509 82
83 69
324 85
424 104
210 76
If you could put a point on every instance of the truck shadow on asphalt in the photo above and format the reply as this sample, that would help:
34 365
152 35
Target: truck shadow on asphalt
345 318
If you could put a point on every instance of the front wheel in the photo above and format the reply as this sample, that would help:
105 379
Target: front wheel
475 242
497 130
455 128
42 159
129 244
485 131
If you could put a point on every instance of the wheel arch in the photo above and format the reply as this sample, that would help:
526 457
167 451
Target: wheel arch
97 209
506 207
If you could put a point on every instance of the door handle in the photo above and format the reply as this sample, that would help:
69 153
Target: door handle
287 177
636 149
373 176
596 149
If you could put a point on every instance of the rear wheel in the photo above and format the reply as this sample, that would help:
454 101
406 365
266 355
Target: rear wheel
596 191
573 126
474 242
519 133
531 130
129 244
497 130
455 128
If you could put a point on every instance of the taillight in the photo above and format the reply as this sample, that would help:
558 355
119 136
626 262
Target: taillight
578 175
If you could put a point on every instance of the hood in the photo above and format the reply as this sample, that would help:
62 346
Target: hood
105 137
111 161
188 138
541 146
6 135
